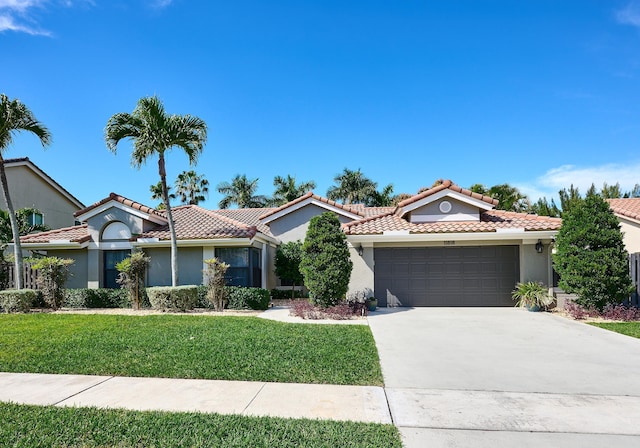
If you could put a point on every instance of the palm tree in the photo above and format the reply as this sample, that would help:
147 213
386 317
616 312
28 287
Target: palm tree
383 198
16 117
352 187
287 190
156 194
154 132
241 191
192 188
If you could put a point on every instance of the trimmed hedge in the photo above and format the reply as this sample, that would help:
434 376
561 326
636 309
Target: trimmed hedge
173 298
242 298
17 301
285 294
97 298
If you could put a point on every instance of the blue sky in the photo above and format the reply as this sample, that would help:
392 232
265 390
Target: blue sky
539 93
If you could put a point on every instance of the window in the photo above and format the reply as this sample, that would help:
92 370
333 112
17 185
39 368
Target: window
36 219
111 258
245 265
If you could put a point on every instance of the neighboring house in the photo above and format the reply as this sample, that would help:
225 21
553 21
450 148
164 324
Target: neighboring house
627 211
446 246
30 187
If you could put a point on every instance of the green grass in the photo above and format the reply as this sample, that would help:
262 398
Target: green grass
628 328
228 348
48 426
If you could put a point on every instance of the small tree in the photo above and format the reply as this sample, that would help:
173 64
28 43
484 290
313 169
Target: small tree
216 291
590 255
54 273
325 262
287 263
131 276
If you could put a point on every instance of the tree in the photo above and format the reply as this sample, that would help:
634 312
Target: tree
288 190
352 187
590 255
543 208
509 198
191 187
154 132
25 224
569 198
611 191
54 273
241 191
131 276
217 293
287 263
156 194
382 198
325 262
16 117
634 193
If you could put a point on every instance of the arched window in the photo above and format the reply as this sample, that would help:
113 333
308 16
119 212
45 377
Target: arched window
116 231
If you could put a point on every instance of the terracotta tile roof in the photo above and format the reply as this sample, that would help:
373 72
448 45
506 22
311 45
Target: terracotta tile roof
627 207
75 234
490 221
125 201
248 216
447 184
347 208
372 211
193 222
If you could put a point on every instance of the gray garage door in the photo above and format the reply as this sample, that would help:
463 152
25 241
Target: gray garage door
446 276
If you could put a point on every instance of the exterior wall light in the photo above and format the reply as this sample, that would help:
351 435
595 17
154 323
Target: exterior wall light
539 247
360 250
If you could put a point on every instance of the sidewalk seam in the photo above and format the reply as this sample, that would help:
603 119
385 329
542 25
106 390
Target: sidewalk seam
386 397
253 399
83 390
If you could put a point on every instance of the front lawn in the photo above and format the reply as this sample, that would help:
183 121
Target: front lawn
628 328
226 348
48 426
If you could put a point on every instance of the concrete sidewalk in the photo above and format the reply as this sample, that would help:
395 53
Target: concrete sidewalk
315 401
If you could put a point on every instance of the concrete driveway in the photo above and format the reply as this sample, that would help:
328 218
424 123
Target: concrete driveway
506 377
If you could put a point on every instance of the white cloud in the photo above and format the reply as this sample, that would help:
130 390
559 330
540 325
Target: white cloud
564 176
16 15
629 15
162 3
7 23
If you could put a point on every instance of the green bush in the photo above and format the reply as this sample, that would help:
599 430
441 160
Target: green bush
242 298
203 302
173 298
285 294
326 264
590 255
17 300
97 298
53 273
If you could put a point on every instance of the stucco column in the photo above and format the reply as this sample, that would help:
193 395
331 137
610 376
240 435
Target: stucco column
265 265
207 254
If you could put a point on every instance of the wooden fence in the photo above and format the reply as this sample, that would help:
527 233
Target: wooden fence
30 277
634 270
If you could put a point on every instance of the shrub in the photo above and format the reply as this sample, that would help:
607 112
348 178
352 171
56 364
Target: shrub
131 276
325 264
590 255
97 298
285 294
242 298
17 300
287 264
53 274
609 312
173 298
533 295
576 311
307 310
216 292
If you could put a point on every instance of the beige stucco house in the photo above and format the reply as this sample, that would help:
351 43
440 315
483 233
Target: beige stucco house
31 187
628 212
446 246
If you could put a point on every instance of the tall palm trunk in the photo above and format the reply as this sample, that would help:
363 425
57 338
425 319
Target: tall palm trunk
172 229
17 248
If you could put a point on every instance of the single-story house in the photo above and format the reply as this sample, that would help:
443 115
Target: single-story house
446 246
627 210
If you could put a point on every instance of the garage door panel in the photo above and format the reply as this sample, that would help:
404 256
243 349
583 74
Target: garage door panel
446 276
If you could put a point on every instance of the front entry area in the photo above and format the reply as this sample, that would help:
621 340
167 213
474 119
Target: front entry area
446 276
